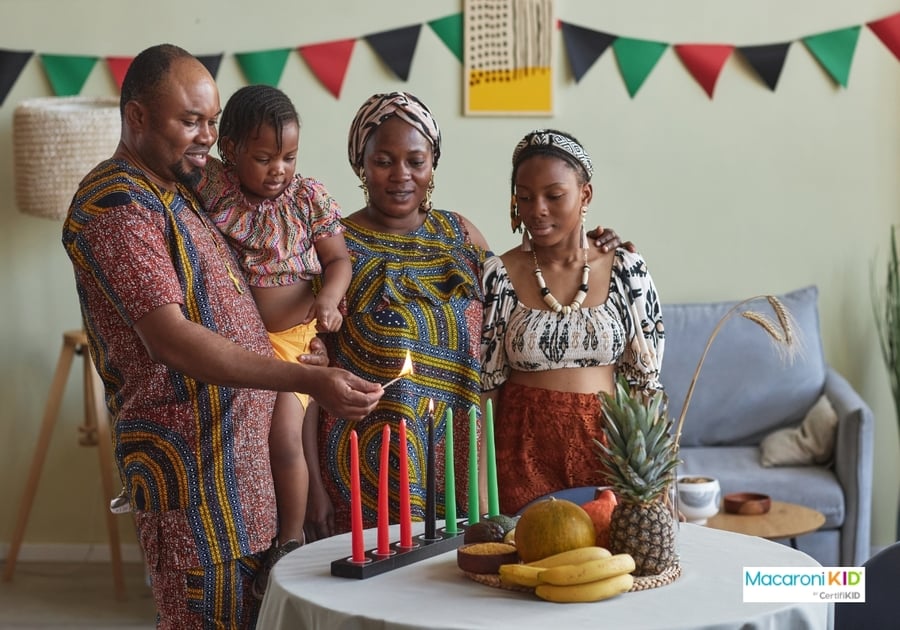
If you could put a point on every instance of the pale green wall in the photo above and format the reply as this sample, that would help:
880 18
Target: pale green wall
751 192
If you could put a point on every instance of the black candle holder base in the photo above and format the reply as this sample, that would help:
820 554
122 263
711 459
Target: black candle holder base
376 564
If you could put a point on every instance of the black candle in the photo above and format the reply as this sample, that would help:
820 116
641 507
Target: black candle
430 517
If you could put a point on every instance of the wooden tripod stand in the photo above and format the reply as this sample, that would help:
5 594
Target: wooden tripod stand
94 432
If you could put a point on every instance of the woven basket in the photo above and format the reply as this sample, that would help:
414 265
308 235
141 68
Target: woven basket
56 141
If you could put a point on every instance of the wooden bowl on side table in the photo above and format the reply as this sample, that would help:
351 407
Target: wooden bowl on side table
747 503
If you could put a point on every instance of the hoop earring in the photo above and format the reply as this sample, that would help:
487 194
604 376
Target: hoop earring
426 206
364 185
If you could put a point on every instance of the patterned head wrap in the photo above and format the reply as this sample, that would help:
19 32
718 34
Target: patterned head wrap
546 142
381 107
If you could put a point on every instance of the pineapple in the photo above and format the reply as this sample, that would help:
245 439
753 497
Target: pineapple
638 457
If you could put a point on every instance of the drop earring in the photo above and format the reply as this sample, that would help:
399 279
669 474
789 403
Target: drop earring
526 241
584 242
364 185
426 205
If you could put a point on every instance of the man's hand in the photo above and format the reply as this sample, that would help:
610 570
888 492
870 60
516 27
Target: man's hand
345 394
607 240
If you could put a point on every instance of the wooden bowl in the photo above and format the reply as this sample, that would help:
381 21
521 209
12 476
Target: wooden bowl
747 503
485 557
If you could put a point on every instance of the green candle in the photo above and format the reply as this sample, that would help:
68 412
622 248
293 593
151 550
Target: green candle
449 476
493 499
473 466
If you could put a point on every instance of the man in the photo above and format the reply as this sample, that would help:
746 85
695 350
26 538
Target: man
189 373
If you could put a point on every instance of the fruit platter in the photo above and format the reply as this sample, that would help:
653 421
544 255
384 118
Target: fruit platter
557 550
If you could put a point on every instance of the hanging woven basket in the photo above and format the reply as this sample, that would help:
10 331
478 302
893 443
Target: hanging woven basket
56 141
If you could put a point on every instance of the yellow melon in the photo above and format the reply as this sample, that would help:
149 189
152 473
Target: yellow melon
552 526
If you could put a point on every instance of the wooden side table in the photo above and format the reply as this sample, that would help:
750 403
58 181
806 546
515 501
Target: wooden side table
783 520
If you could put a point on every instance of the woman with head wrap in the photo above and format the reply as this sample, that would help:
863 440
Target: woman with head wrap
415 288
561 320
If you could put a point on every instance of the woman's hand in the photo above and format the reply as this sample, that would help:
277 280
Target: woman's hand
607 240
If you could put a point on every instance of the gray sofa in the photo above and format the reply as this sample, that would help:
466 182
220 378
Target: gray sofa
745 391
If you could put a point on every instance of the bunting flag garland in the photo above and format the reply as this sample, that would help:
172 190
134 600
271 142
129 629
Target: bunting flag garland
704 62
833 50
329 62
264 66
11 64
888 31
636 58
396 48
67 73
767 60
450 31
118 66
584 46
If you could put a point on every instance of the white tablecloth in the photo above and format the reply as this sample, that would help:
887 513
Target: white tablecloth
434 594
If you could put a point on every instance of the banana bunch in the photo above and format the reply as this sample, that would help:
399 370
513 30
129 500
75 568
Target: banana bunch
587 574
588 581
527 574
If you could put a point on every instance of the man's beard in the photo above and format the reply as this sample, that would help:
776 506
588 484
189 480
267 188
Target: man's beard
191 178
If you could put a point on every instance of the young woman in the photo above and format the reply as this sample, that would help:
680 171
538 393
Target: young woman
561 318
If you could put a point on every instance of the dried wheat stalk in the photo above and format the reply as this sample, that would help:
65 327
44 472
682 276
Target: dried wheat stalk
782 332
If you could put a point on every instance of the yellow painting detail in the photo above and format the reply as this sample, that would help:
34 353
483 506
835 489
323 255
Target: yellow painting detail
527 91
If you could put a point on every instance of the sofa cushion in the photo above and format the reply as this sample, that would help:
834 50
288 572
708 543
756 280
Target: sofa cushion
810 443
745 389
738 470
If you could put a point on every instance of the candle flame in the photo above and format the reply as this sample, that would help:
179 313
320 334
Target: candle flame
431 405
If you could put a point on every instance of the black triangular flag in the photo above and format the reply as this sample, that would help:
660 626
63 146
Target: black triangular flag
396 48
584 46
11 64
211 62
767 60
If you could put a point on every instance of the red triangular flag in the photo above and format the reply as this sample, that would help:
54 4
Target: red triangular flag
118 66
329 62
888 31
704 62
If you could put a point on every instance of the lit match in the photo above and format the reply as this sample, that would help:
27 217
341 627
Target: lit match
406 370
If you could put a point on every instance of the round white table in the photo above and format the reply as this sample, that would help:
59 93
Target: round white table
434 593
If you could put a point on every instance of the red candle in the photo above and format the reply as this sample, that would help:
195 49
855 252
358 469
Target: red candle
405 514
356 526
384 514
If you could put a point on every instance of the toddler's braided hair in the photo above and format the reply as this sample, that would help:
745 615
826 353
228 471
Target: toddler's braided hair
251 107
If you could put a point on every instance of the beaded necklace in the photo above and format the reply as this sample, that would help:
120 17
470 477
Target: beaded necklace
550 300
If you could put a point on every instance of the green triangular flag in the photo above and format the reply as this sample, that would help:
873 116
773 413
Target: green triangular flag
834 50
450 30
263 66
636 58
67 73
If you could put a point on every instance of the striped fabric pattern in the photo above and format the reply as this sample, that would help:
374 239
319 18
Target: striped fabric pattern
185 449
421 293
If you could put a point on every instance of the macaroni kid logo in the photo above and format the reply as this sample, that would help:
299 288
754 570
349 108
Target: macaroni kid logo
804 584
